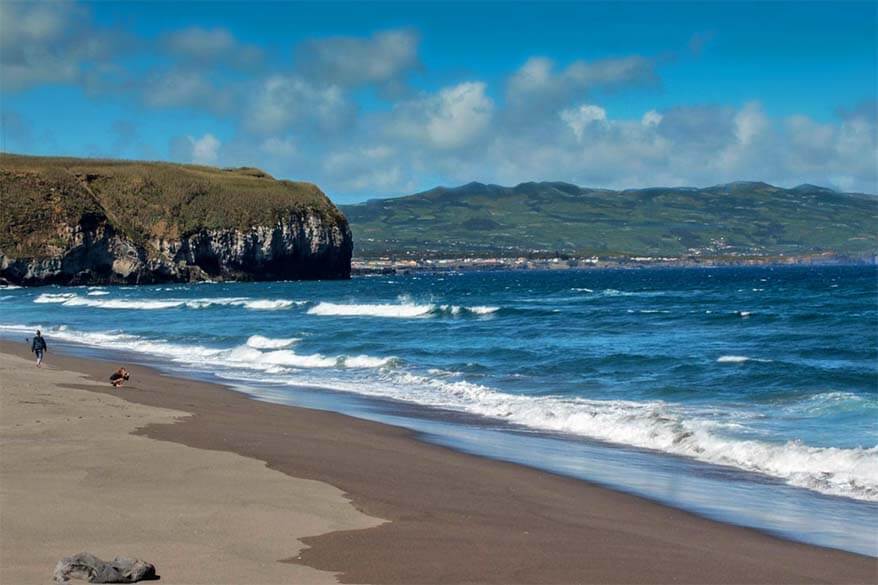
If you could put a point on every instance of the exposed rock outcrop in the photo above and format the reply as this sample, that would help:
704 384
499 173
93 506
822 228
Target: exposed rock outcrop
89 567
117 225
300 247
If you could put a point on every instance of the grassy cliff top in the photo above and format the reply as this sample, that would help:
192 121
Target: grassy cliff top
741 218
38 195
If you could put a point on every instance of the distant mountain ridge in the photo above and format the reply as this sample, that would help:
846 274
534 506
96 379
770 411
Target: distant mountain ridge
739 218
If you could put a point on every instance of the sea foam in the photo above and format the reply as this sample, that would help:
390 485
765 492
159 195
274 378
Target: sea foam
739 359
402 310
257 353
653 425
73 300
260 342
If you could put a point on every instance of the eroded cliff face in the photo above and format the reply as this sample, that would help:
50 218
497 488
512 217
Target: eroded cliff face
302 246
124 223
93 252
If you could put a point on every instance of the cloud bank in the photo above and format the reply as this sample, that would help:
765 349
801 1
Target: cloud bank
306 116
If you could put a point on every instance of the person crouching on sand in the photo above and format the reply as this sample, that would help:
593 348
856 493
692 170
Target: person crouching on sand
39 347
119 377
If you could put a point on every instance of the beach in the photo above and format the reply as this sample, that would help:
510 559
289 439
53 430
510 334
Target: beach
75 479
213 486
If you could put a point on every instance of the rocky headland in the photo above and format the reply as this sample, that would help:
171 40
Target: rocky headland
83 221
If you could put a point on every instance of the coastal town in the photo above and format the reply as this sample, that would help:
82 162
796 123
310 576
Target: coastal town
404 265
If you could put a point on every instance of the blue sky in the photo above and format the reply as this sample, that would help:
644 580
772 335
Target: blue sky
378 99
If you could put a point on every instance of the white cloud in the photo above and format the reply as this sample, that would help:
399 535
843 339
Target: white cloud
200 42
35 23
304 122
207 45
535 75
537 84
459 114
651 118
202 150
353 61
205 149
580 118
452 118
749 123
282 102
436 137
366 168
49 43
279 147
699 145
699 128
177 88
631 70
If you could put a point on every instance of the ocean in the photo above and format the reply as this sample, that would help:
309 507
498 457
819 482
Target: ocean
749 395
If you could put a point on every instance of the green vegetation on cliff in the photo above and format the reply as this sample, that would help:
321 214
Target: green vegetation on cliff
142 200
738 218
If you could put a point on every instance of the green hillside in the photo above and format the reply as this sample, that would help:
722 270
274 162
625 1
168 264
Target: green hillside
741 218
143 200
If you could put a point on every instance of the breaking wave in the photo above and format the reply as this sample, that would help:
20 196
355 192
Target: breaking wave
739 359
257 359
257 353
267 305
613 292
652 425
260 342
402 310
482 310
74 300
833 403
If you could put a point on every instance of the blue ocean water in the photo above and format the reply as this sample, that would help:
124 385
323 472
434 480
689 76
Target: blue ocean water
745 394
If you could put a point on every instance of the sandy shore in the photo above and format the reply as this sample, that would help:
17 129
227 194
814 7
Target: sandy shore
190 499
73 478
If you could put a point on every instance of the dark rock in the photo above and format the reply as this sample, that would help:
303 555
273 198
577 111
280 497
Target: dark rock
138 223
94 570
300 247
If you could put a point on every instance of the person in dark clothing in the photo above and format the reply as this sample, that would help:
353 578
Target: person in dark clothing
39 347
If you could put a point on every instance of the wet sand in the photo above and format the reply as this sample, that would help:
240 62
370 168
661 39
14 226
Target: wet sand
73 478
452 517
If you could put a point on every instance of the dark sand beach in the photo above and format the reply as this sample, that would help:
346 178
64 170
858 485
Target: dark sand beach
449 517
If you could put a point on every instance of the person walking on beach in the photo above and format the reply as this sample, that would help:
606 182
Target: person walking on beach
39 347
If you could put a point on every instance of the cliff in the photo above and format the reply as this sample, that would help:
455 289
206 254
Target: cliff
82 221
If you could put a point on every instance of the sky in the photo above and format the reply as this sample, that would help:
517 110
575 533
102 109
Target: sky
378 99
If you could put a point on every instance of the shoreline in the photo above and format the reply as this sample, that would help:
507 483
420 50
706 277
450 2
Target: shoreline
381 266
455 517
368 268
77 478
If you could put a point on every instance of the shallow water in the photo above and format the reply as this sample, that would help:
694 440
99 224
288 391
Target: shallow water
749 395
